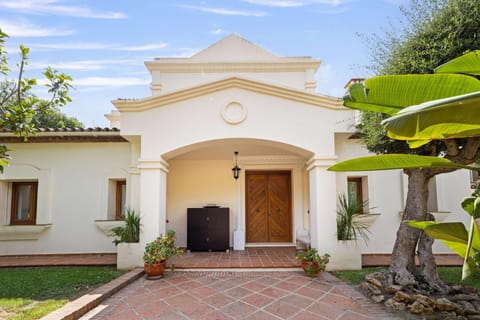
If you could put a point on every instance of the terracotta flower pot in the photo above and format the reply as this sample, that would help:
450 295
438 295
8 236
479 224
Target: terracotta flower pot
154 270
311 268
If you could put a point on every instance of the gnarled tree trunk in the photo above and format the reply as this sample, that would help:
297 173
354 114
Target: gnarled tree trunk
403 255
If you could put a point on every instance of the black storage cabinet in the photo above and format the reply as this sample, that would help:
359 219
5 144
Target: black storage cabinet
208 229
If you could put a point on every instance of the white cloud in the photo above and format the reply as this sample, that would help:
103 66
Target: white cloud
295 3
54 7
145 47
98 46
228 12
217 31
27 29
83 65
277 3
110 82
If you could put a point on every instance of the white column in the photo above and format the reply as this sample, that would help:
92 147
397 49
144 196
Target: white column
133 185
323 200
153 198
239 233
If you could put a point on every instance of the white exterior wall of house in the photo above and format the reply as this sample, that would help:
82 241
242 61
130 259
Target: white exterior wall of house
73 192
233 96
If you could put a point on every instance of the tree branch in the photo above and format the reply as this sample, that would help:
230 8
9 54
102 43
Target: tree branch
19 85
452 147
469 153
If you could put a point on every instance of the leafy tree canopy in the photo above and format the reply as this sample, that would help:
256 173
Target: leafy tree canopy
432 33
20 110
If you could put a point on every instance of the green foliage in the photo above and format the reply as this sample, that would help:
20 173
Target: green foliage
315 261
447 274
130 231
349 223
56 119
395 161
30 293
451 117
431 33
18 106
162 248
356 277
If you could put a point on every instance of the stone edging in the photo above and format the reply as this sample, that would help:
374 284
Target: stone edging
75 309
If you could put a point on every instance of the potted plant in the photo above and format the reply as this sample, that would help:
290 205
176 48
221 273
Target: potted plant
157 253
349 227
312 262
130 231
127 236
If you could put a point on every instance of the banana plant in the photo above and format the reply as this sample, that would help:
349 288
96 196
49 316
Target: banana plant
439 106
455 236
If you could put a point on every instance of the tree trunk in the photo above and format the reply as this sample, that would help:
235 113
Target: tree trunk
403 255
428 266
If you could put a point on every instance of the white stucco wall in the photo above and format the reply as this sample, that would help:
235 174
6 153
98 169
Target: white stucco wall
194 184
187 122
72 193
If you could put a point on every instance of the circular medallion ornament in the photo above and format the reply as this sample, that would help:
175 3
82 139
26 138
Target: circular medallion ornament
234 113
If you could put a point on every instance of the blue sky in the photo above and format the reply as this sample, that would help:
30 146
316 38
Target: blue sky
103 44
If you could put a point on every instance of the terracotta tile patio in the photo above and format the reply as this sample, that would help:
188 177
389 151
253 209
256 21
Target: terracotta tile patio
238 295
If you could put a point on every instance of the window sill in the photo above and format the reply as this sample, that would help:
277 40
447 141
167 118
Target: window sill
106 226
22 232
366 219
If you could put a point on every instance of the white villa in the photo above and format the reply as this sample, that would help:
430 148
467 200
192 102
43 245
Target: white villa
174 150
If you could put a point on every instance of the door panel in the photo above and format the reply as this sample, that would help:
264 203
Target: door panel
279 198
256 193
268 207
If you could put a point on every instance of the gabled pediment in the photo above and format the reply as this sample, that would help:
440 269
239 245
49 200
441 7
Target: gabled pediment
233 48
137 105
232 54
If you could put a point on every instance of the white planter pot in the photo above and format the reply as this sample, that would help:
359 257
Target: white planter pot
347 256
129 255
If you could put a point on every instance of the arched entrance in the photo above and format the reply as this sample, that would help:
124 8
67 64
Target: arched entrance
268 202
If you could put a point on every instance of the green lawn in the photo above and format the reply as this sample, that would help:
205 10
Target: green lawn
30 293
448 274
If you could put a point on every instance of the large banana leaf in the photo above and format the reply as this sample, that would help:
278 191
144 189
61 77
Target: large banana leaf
454 117
390 94
394 161
467 64
453 234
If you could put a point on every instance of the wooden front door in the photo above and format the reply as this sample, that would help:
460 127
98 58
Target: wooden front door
268 206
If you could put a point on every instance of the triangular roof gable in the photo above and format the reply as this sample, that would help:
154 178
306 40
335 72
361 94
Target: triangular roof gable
233 48
138 105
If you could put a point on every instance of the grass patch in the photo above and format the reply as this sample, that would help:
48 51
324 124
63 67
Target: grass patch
30 293
447 274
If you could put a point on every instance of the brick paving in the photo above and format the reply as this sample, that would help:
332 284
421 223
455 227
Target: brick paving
238 295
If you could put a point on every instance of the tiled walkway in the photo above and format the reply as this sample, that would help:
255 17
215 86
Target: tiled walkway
238 295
